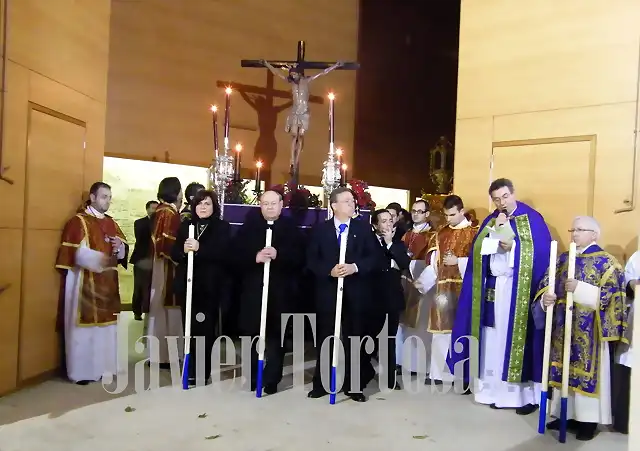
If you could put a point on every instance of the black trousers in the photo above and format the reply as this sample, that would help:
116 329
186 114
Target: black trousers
387 357
141 290
203 335
622 390
353 325
274 353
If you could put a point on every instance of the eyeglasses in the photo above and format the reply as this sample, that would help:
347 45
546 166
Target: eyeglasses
580 230
418 212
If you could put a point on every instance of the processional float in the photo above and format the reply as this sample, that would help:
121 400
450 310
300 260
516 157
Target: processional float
222 172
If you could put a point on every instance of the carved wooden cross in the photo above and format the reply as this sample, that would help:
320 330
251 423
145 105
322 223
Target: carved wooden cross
300 63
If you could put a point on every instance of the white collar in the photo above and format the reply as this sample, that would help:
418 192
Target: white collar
337 223
418 228
93 212
464 223
581 251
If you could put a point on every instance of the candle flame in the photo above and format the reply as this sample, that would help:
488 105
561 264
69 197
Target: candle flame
214 108
258 164
344 167
331 96
238 147
228 90
339 152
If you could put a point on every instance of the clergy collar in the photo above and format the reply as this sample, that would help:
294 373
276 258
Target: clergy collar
582 251
93 212
464 223
417 228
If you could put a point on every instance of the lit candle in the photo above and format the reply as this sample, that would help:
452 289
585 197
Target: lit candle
331 119
258 167
343 177
214 113
238 151
227 112
339 153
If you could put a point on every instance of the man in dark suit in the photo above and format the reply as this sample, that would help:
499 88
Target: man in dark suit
362 258
394 258
399 225
286 257
142 262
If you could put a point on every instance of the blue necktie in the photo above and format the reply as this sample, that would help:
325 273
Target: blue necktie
341 229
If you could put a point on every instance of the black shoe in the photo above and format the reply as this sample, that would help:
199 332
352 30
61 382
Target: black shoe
137 317
586 431
271 389
526 409
395 386
429 381
572 425
83 382
316 393
357 397
164 366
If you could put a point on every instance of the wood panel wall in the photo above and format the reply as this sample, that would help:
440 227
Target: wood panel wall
168 58
550 72
53 143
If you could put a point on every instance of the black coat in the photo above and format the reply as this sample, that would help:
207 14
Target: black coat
323 254
142 232
283 273
210 264
387 282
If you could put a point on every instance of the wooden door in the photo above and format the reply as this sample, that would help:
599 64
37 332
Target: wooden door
559 195
54 186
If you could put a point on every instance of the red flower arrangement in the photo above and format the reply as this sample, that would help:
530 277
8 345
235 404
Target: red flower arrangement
363 197
297 196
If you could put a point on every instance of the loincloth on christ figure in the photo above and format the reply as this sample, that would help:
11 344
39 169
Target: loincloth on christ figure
297 123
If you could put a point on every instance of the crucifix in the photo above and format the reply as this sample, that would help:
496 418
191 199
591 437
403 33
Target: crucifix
298 119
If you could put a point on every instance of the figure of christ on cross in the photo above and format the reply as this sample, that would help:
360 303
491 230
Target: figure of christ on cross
298 119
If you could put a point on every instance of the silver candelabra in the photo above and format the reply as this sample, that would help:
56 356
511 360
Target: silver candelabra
330 177
221 173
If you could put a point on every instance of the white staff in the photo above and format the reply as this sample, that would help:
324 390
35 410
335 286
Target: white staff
544 394
187 325
566 353
263 312
336 329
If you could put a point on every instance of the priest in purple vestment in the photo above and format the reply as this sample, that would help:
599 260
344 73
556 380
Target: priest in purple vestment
599 307
496 350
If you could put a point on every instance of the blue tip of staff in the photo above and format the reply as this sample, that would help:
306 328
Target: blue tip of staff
563 420
332 388
542 422
185 373
259 379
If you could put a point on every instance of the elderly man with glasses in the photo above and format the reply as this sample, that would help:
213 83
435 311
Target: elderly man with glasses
598 289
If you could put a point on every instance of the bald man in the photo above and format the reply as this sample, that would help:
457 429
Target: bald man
599 299
286 257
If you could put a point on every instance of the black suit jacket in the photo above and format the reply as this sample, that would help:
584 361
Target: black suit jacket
287 241
211 280
323 254
387 281
142 232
